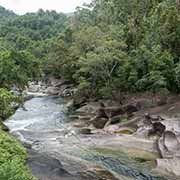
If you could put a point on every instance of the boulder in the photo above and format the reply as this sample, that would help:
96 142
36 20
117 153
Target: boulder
45 167
162 149
144 104
85 131
169 145
116 119
129 109
90 108
172 125
132 143
157 129
79 101
111 128
3 126
27 145
152 118
169 166
78 125
33 87
74 116
172 143
55 82
97 173
133 123
113 111
124 130
52 90
143 132
85 118
68 92
151 126
162 100
28 97
99 123
70 105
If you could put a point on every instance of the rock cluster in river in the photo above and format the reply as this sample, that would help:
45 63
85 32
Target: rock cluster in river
168 141
53 86
122 119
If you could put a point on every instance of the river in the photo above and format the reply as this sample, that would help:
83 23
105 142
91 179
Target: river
44 123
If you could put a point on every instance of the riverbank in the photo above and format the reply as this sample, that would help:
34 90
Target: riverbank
45 125
76 146
13 155
152 125
153 129
42 127
13 159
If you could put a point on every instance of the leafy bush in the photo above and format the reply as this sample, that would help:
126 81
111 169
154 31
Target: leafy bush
14 170
12 159
6 99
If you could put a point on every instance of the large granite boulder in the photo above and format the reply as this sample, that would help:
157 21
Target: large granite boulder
172 124
45 167
169 166
169 147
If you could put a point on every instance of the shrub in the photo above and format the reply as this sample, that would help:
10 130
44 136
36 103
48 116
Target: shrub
12 159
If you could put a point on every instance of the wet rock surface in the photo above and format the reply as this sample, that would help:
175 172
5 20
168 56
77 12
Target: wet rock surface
163 130
44 124
45 167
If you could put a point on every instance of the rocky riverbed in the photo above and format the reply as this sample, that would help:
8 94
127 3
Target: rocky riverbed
84 145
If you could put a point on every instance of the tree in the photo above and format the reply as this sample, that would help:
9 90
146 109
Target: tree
17 68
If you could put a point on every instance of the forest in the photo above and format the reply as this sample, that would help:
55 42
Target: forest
105 48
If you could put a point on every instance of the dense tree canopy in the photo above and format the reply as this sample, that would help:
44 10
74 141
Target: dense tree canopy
5 14
104 47
120 45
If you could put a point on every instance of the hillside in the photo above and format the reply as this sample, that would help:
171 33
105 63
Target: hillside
6 13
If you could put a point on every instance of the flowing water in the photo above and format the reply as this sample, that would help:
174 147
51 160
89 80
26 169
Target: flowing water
44 123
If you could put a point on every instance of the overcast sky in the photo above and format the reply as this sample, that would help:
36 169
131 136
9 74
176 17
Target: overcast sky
23 6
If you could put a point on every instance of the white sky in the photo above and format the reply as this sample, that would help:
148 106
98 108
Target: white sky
23 6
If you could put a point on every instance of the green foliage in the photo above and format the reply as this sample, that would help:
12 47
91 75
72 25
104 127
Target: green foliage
153 69
6 99
5 14
11 148
24 42
14 170
12 159
104 48
17 67
121 46
12 154
31 31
